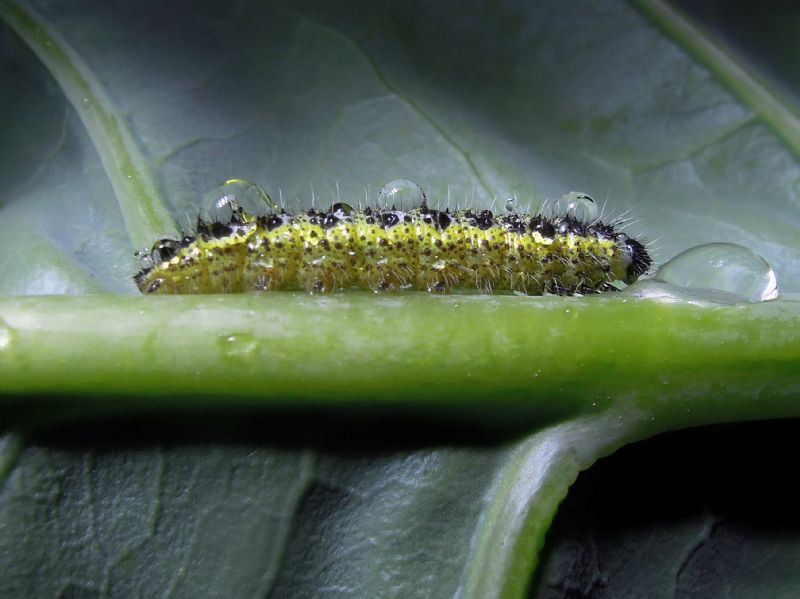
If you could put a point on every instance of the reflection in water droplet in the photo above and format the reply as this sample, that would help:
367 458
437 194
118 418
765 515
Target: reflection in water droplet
403 194
579 205
235 200
652 289
722 266
6 335
238 345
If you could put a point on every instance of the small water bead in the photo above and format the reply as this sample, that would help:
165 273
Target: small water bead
238 346
722 266
236 200
145 259
164 250
580 206
512 205
403 194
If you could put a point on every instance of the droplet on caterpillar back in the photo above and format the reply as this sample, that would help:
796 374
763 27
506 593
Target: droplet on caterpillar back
402 194
579 206
235 201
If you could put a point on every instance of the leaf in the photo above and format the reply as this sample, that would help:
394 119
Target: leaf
532 100
118 151
711 513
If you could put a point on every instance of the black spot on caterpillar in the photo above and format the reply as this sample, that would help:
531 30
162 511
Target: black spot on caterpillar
237 248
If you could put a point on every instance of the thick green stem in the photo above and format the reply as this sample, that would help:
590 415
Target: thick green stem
516 357
146 216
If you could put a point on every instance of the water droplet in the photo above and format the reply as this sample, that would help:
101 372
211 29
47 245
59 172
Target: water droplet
403 194
238 346
237 201
163 250
722 267
580 206
512 205
145 259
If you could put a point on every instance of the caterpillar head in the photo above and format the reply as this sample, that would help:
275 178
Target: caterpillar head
635 258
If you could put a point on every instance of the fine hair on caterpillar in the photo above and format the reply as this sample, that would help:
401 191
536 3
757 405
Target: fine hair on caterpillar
244 242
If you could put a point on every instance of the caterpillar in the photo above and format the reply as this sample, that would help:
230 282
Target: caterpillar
236 249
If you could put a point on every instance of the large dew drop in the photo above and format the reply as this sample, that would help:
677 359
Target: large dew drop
403 194
235 200
722 266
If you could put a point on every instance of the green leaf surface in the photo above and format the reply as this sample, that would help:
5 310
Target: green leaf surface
405 446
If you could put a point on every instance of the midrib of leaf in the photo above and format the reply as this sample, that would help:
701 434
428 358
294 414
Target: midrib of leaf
617 346
754 92
143 209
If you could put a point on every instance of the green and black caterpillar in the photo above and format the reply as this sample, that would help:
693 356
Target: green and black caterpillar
234 250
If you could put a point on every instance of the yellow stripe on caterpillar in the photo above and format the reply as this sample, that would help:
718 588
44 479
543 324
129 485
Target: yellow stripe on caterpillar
389 249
